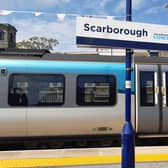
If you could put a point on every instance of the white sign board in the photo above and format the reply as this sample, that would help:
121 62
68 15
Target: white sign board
124 34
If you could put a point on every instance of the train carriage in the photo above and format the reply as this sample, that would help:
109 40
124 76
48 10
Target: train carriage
80 98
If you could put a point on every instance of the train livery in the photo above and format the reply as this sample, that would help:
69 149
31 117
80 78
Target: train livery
42 98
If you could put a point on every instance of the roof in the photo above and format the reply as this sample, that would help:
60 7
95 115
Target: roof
22 52
6 26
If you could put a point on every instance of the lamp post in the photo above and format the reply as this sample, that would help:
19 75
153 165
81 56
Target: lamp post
127 137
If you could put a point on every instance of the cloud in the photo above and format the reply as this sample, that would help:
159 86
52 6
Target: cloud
153 10
72 6
102 7
136 5
30 4
99 6
27 26
63 32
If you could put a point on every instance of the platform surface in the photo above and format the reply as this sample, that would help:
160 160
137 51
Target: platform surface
146 157
137 165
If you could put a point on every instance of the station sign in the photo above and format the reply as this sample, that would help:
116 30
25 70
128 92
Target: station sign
94 32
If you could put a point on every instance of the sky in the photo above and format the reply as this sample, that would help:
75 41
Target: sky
48 24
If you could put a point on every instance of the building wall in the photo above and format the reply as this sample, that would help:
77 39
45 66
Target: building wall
9 40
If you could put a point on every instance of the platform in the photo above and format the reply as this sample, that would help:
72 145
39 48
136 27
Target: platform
80 157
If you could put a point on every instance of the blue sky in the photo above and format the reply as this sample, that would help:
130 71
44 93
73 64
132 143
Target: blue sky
148 11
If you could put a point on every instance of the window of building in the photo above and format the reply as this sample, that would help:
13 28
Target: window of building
96 90
147 88
36 90
2 34
11 37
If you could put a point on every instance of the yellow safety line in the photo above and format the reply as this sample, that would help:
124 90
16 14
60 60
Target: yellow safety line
90 160
151 157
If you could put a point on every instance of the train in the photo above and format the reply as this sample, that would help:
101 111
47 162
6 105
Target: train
80 99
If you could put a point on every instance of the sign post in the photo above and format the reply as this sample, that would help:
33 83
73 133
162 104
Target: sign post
127 136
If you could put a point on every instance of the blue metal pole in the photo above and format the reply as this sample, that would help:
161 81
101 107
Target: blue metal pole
127 137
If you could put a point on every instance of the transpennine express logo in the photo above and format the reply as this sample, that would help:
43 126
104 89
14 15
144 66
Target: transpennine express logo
160 37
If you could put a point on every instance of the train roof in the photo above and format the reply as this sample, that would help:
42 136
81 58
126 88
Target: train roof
22 53
29 54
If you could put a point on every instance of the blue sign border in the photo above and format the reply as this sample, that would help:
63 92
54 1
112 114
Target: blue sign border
120 43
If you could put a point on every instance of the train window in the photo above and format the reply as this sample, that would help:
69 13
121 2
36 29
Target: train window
36 90
96 90
147 88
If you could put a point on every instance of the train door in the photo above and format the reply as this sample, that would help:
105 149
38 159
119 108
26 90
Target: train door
164 90
147 99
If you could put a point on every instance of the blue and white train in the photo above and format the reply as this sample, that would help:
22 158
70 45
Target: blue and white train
50 99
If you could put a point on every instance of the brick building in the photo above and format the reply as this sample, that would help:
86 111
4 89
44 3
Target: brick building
7 36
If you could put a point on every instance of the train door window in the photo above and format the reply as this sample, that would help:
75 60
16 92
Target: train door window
167 88
96 90
147 88
36 90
